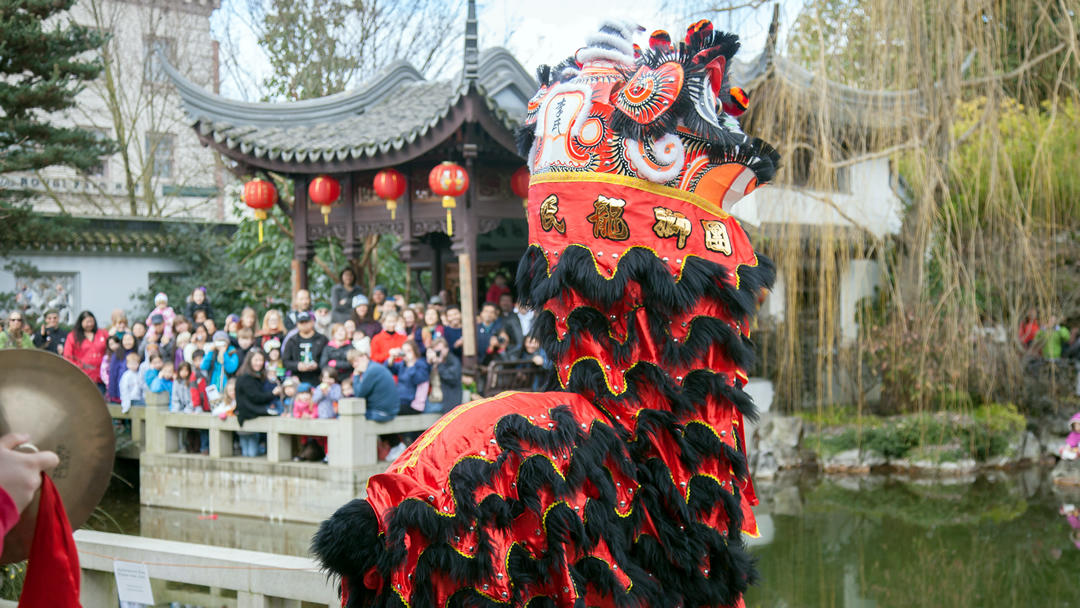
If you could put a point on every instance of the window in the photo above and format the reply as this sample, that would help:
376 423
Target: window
153 72
159 153
102 168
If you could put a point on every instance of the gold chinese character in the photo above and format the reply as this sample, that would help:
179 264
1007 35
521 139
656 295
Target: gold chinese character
671 223
548 208
607 219
716 236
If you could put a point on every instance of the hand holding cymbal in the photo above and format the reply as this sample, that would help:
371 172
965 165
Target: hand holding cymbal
20 472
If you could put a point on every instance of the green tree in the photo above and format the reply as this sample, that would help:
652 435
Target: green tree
44 63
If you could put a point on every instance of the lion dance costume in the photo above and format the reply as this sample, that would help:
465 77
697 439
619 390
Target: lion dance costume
628 485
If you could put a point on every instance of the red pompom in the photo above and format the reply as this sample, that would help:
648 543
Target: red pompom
698 31
660 41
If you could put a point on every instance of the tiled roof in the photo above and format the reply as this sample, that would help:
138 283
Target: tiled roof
388 113
116 235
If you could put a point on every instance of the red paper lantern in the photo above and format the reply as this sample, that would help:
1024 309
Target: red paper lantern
519 183
324 191
389 185
260 195
448 180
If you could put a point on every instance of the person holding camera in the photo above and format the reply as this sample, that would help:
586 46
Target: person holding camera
220 361
445 377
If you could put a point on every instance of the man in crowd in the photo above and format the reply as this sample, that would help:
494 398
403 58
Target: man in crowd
452 331
51 337
445 393
302 351
510 322
373 382
301 303
487 329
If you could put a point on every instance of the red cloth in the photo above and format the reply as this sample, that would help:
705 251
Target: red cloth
52 576
88 353
1028 330
9 514
383 342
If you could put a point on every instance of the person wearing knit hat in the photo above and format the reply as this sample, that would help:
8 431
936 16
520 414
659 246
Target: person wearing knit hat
323 319
629 485
168 315
220 361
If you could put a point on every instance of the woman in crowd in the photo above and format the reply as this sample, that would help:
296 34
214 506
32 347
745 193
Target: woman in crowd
248 319
118 322
408 315
430 331
16 334
336 354
412 379
365 323
85 347
390 339
252 398
341 297
445 379
198 302
273 328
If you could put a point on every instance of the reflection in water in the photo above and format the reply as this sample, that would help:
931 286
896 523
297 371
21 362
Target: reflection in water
996 541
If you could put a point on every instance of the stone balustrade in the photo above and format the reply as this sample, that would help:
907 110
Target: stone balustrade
273 486
258 580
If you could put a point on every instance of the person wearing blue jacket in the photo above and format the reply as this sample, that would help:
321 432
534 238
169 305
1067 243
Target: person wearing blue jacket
374 383
412 379
221 361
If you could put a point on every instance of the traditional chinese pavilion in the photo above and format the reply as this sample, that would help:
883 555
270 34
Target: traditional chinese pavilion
402 121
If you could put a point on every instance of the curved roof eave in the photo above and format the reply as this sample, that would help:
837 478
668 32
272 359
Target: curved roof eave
202 105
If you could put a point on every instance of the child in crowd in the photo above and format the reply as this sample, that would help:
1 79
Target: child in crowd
227 406
288 394
150 369
275 367
273 327
198 342
303 406
181 391
161 307
197 382
198 303
131 384
163 382
112 368
327 394
245 339
182 340
232 325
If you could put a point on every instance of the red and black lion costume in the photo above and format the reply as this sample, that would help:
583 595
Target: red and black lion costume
627 485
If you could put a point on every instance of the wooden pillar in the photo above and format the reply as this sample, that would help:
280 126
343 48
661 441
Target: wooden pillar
465 247
406 247
351 198
302 249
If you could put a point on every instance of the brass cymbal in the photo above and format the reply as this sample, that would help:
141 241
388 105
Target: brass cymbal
59 407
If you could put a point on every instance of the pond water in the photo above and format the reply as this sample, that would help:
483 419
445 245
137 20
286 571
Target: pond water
995 540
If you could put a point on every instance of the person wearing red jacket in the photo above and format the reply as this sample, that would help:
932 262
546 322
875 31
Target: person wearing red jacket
85 347
385 343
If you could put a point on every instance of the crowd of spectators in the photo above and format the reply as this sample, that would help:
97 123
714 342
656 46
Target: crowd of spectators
403 359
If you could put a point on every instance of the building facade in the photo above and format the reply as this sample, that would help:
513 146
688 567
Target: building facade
160 174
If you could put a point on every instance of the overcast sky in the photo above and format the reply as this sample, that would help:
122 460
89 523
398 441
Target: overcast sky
544 31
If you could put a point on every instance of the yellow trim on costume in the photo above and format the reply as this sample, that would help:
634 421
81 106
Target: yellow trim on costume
554 177
434 431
